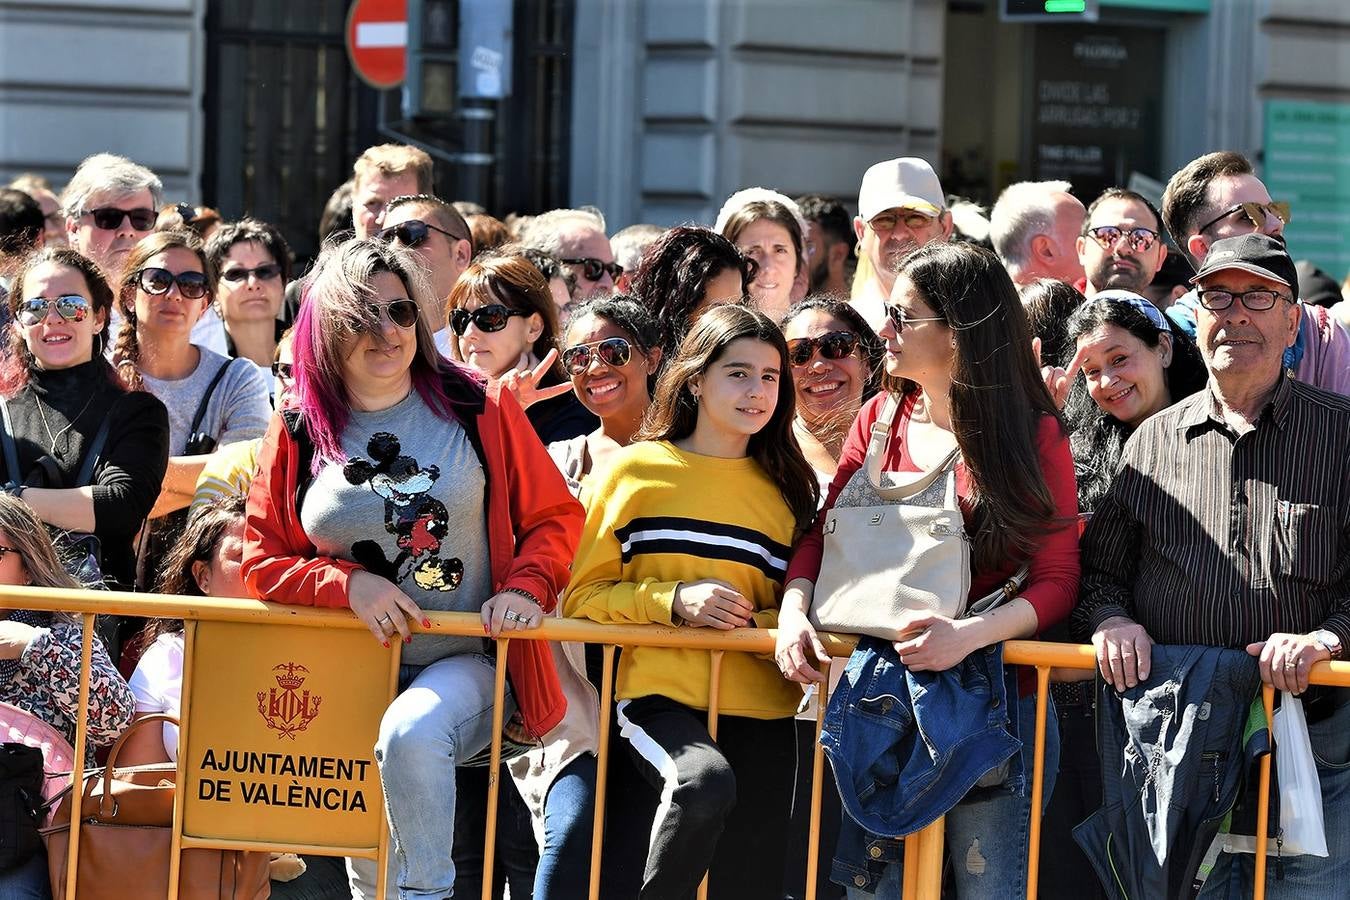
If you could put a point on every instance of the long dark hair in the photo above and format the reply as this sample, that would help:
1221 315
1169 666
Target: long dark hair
674 411
127 354
997 398
676 270
1096 438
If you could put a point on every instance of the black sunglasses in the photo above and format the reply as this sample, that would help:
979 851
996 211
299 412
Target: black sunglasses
153 280
413 232
71 307
110 218
490 318
402 313
262 273
1138 239
614 352
595 269
283 371
835 345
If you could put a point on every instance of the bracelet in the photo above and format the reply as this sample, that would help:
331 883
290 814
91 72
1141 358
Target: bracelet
524 593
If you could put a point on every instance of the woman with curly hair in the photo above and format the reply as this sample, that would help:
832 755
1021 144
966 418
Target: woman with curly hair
686 271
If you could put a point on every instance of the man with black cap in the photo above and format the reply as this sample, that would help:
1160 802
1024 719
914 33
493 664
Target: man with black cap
1228 525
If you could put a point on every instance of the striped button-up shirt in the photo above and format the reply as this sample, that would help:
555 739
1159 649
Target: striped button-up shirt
1215 538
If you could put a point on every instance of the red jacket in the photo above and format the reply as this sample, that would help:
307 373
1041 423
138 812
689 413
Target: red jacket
533 527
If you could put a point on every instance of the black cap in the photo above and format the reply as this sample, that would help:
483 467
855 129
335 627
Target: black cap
1259 254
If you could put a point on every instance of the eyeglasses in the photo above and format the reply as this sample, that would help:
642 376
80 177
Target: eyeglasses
402 313
262 273
595 269
835 345
1138 239
1255 212
901 319
888 221
191 285
109 218
71 307
413 233
490 318
1256 301
4 550
283 371
614 352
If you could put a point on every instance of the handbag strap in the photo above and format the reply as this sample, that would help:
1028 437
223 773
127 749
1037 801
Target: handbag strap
86 473
10 450
107 772
206 398
876 455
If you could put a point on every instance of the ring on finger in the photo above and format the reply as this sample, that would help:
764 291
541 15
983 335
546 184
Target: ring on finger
386 618
511 616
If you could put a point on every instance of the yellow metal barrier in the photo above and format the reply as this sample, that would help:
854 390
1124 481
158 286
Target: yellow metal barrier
923 851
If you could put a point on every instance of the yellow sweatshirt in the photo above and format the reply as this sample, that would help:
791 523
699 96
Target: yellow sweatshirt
658 516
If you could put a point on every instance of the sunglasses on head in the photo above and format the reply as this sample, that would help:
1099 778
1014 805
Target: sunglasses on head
153 280
71 307
1138 239
614 352
283 371
594 269
109 218
414 232
1255 213
490 318
402 313
262 273
835 345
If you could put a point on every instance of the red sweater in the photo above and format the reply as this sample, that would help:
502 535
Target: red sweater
1052 582
533 527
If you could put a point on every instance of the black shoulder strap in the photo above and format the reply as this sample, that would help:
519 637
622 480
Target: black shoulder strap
91 455
206 398
11 451
299 432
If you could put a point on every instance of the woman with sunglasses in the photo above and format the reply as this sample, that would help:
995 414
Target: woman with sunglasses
684 273
253 265
836 365
961 376
715 461
212 400
504 324
768 228
40 659
59 390
398 484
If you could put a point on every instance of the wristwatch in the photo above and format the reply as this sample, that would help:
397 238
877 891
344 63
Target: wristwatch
1327 640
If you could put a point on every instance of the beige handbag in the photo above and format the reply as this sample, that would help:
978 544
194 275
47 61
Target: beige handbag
885 553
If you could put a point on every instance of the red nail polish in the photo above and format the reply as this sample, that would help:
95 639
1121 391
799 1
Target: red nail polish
426 623
408 639
386 645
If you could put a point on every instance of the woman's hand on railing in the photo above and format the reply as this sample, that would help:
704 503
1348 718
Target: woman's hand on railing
1124 652
510 611
384 609
797 645
15 638
933 643
713 603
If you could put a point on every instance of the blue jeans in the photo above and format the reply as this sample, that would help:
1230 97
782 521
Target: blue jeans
443 714
1309 877
28 881
569 816
988 832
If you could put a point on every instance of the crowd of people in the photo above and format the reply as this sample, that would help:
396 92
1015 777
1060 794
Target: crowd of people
1122 401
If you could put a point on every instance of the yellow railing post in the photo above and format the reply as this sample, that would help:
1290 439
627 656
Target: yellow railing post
1263 800
184 709
1037 781
714 700
817 788
81 736
601 771
494 768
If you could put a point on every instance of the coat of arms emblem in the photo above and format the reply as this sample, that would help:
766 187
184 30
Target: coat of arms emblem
290 709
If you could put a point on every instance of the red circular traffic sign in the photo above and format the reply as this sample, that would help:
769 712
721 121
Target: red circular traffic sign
377 41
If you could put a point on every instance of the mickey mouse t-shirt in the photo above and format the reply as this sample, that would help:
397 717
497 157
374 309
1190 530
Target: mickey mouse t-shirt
408 506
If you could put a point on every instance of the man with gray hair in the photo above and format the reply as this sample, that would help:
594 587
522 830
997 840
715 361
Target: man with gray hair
628 245
1034 226
110 204
577 238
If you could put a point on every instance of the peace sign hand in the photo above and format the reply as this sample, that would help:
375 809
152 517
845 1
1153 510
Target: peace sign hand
1057 380
524 383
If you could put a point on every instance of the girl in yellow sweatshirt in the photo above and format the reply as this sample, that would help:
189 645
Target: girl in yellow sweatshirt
693 526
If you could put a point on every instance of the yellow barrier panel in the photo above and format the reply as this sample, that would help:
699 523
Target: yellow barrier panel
923 851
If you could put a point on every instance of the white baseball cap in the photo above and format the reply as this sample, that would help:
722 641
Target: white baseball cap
907 182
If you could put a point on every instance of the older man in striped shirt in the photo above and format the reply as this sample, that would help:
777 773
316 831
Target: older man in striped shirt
1228 523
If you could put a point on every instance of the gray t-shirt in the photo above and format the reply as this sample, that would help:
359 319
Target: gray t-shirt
237 411
408 505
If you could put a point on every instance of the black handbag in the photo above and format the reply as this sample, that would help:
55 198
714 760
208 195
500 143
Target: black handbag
21 804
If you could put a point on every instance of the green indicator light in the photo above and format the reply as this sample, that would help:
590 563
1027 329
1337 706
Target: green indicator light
1065 6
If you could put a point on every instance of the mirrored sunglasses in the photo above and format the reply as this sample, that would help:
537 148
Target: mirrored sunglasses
1138 239
71 307
1255 212
614 352
153 280
835 345
489 319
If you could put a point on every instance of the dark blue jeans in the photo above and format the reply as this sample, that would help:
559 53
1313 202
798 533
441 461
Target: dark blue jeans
569 815
28 881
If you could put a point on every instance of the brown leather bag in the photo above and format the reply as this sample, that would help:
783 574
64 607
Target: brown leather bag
126 820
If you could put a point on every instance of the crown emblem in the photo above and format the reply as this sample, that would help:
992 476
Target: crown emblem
291 709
